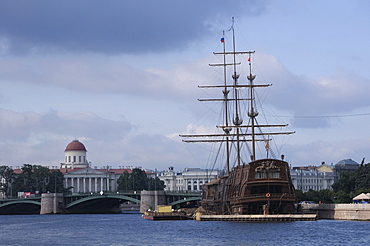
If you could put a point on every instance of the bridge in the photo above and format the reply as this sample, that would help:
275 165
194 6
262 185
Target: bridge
96 202
20 206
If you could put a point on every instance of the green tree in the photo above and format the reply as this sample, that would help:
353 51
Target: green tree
38 178
138 180
363 177
124 181
55 184
156 184
312 195
7 174
299 195
351 184
23 181
342 197
346 182
324 196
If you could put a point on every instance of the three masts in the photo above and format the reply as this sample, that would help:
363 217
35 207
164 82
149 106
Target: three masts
261 186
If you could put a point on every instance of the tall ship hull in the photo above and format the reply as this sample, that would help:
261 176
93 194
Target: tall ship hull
259 185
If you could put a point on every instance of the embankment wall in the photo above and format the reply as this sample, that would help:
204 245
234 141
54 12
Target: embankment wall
339 211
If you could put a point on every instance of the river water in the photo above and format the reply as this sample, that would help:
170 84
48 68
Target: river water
131 229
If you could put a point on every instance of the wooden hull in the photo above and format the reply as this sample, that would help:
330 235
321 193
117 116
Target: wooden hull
260 187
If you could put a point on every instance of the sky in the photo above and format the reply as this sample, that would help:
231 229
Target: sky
122 77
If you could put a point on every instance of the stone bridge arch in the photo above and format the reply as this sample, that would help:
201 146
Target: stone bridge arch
185 200
99 204
20 207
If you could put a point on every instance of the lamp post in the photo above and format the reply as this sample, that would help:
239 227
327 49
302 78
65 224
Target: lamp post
55 182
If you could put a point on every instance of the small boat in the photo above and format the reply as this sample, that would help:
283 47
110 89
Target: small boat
167 213
151 215
251 185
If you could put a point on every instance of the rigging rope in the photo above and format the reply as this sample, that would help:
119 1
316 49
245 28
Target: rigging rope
323 116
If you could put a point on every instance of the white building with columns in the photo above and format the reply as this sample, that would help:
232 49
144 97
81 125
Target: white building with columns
306 180
80 177
191 179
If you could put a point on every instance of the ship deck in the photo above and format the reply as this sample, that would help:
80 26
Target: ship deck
258 217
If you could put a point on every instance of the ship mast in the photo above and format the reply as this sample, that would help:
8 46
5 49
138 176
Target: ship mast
252 113
237 120
226 106
235 132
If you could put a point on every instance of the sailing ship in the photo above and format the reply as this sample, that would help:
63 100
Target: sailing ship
259 186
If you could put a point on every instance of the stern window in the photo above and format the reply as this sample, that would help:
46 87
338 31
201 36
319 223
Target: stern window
260 176
274 175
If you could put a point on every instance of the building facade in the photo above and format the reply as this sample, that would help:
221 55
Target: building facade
75 155
191 179
89 180
306 180
80 177
322 177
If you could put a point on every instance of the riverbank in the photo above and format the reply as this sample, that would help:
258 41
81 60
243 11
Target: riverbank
359 212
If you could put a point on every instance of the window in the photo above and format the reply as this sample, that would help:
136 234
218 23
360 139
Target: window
79 159
263 189
260 175
74 158
274 175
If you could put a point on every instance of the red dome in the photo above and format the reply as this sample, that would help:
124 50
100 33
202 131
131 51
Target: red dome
75 145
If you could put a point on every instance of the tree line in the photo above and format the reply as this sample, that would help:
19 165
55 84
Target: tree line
33 178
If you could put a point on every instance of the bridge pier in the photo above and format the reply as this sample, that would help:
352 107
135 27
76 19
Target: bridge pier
52 203
152 199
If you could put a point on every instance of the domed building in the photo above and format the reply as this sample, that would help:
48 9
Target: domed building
75 155
80 177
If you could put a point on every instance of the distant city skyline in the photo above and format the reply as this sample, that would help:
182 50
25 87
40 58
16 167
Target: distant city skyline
122 77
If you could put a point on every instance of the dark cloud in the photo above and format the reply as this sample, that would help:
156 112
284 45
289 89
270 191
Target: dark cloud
101 74
115 26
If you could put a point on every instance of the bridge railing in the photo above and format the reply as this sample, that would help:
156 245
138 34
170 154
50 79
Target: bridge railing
78 196
183 192
15 198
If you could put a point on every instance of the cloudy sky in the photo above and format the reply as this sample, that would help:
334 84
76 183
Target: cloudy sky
122 77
